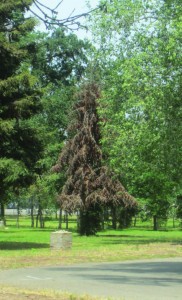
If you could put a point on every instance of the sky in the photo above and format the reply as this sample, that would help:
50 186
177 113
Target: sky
66 8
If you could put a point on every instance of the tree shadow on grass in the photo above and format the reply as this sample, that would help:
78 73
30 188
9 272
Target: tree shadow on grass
21 246
133 240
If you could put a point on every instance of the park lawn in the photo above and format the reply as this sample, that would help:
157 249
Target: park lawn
25 247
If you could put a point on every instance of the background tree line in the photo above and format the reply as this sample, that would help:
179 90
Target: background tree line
39 75
135 58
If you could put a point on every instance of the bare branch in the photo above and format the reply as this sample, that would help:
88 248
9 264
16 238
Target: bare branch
58 4
49 17
45 15
71 13
39 4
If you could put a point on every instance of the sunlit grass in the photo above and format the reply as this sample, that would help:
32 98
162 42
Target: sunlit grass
24 246
24 294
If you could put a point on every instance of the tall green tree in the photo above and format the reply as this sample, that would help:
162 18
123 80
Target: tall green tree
20 94
140 61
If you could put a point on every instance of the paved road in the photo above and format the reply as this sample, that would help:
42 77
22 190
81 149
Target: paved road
134 280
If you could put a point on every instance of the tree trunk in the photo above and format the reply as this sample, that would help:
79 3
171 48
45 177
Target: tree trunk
135 221
60 218
103 221
42 224
39 218
2 216
90 220
32 217
18 215
155 223
66 220
114 219
173 222
32 213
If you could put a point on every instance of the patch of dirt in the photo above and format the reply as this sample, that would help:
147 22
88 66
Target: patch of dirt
11 296
11 293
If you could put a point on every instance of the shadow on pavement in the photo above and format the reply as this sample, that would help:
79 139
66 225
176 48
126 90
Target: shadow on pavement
145 273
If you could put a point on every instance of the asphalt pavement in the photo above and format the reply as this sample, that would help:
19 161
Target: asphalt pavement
159 279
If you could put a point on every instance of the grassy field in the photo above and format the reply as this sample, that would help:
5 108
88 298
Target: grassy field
25 247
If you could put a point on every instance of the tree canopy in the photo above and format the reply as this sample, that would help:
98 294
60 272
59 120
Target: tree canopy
139 53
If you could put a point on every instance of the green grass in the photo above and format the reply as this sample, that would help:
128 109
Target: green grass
24 246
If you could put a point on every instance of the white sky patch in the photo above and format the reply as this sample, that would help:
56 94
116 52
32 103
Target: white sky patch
65 9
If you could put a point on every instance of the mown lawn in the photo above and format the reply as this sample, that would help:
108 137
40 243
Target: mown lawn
24 247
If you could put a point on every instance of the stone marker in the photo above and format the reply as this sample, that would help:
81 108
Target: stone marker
61 240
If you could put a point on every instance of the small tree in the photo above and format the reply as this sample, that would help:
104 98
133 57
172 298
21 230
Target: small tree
90 186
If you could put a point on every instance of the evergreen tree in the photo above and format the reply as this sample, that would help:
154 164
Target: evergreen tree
89 186
20 146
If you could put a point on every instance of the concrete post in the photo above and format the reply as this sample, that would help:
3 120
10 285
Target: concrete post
61 240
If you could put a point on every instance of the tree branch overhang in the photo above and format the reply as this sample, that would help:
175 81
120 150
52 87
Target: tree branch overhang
49 15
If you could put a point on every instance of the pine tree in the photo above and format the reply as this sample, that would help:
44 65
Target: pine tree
89 186
20 145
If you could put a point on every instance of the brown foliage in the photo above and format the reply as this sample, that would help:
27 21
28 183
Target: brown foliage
88 182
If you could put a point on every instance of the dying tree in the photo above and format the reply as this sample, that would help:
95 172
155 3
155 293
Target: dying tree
89 185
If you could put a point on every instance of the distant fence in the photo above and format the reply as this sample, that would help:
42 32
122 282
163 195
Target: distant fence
27 212
22 212
14 212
